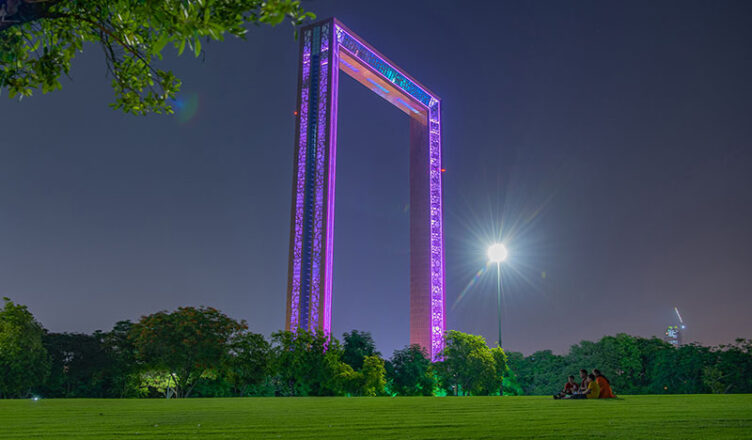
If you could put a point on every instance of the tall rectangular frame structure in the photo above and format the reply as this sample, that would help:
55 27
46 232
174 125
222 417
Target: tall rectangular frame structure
326 48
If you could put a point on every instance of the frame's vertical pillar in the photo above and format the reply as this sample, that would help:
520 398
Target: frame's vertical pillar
420 238
331 166
311 235
427 277
438 276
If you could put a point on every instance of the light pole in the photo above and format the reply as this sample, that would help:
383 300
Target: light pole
497 253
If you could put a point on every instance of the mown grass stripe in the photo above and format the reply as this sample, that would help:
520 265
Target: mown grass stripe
633 417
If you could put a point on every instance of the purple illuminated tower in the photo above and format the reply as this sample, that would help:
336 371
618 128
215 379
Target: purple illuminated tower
326 48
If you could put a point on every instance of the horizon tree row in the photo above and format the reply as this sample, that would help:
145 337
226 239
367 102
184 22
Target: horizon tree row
201 352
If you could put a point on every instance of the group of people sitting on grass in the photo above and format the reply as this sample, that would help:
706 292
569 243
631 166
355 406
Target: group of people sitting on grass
593 386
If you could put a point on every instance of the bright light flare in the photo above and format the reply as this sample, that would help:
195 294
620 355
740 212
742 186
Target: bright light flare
497 253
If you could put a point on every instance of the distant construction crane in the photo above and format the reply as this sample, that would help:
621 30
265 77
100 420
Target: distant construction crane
674 332
681 321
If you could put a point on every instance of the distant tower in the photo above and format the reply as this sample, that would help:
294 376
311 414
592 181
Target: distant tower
673 335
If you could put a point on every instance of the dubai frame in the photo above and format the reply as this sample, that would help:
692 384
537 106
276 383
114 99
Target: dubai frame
326 48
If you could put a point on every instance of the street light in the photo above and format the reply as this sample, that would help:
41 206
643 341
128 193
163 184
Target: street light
497 253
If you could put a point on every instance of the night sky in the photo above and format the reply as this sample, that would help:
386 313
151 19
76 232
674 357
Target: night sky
608 143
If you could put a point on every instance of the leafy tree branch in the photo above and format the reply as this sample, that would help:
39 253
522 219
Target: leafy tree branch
40 38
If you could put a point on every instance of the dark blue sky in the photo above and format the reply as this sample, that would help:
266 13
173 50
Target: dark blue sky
611 139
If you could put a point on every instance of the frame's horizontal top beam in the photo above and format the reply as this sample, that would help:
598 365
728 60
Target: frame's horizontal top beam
363 73
384 58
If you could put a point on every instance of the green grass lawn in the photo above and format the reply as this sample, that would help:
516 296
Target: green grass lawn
705 417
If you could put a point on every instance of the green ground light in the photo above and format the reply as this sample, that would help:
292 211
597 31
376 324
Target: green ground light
633 417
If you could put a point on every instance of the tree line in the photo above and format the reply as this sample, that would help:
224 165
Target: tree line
636 365
201 352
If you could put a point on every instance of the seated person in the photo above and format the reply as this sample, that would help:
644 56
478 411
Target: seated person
584 378
592 391
604 385
569 388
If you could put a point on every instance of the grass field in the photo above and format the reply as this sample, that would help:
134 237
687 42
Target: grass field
633 417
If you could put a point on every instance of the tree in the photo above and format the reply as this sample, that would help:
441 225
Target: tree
408 372
374 376
679 370
23 358
213 383
649 351
310 364
617 357
79 366
517 377
712 378
99 365
356 346
512 385
369 381
154 383
40 38
731 368
248 365
500 366
468 366
736 363
185 343
123 374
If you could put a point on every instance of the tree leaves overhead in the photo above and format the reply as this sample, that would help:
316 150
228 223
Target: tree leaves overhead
40 38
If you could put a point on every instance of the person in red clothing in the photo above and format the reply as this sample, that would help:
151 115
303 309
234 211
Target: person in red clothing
605 386
570 388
